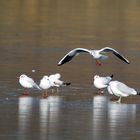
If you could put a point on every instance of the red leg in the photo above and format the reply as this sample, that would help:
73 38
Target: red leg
45 94
26 93
98 63
100 92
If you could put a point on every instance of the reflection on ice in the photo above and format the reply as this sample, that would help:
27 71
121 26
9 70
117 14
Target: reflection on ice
118 118
24 109
111 120
49 115
49 110
47 119
99 115
44 115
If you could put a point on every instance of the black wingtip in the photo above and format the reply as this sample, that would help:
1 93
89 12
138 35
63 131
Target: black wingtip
59 64
112 76
67 83
127 62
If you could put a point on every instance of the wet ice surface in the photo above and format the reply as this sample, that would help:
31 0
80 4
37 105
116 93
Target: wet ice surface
72 113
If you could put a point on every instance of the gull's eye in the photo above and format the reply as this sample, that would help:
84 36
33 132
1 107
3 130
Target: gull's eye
46 77
96 76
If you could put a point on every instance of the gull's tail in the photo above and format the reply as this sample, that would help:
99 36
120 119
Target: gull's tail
112 76
66 83
36 86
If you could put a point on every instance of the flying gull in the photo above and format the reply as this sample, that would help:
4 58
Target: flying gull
97 55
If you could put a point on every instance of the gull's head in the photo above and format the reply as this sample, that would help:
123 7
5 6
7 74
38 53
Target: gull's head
45 77
94 52
22 76
96 77
57 75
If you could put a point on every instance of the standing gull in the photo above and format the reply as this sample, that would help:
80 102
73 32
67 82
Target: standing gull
51 81
56 82
120 90
97 55
45 85
27 82
101 82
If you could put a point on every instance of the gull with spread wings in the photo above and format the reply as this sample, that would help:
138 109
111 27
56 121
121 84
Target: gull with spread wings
97 55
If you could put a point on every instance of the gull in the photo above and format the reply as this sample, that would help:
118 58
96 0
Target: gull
120 90
101 82
51 81
97 55
27 82
45 85
56 82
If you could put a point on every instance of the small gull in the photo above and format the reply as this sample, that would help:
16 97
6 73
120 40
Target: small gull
27 82
97 55
45 85
120 90
101 82
52 81
56 82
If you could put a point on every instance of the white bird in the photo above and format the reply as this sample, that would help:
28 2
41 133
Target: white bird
45 85
27 82
97 55
56 82
101 82
120 90
51 81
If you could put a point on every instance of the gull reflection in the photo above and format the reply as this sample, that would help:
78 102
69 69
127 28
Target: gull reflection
49 109
99 116
118 118
44 116
24 110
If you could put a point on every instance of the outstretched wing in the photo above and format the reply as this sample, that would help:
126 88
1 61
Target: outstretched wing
70 55
108 49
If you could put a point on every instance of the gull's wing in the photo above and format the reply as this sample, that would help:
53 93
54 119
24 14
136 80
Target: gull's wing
70 55
58 82
109 90
31 81
125 89
108 49
106 80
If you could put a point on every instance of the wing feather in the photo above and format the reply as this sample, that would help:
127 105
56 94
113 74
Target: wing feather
116 53
31 81
70 55
125 89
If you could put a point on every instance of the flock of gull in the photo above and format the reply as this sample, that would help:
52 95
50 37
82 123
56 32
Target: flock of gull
115 87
